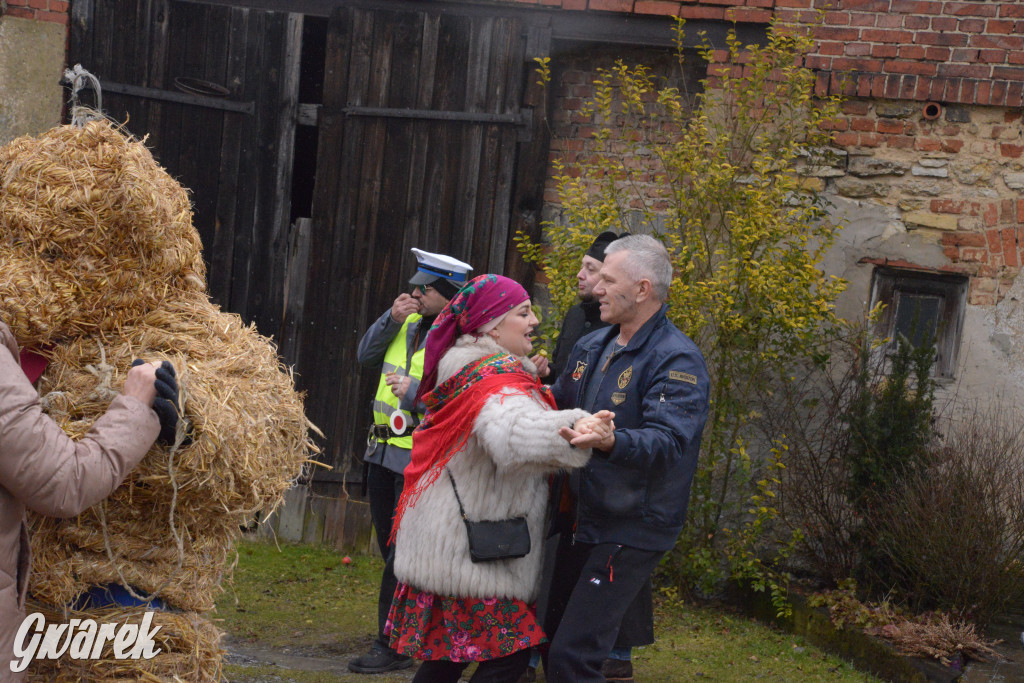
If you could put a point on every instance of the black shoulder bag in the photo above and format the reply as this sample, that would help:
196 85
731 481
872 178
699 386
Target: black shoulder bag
505 539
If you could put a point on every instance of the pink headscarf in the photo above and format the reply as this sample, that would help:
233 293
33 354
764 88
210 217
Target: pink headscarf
483 299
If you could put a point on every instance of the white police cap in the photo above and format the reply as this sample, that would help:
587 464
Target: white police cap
430 267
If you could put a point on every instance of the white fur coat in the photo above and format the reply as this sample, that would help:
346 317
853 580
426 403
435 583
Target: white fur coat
501 473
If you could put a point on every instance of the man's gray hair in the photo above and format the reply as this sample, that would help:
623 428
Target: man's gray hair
648 259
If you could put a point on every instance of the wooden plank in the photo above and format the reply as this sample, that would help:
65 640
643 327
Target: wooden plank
514 58
419 146
246 216
295 286
316 359
158 23
220 250
470 157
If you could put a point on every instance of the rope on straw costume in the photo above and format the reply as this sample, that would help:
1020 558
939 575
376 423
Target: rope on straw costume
103 391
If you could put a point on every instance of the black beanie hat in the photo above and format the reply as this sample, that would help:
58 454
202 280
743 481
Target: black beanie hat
600 243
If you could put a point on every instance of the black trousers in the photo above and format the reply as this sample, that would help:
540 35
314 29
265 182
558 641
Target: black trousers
505 669
592 588
384 488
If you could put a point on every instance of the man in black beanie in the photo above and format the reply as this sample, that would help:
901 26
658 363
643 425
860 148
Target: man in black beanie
584 317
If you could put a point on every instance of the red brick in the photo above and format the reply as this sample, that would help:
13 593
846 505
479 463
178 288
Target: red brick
970 9
857 107
965 239
1016 58
866 5
1015 95
924 86
982 92
971 25
998 26
949 39
915 7
877 35
998 96
996 42
952 206
19 12
713 13
951 253
1008 73
911 52
900 141
847 140
1008 10
38 4
918 68
952 145
967 90
923 144
837 33
889 21
890 126
915 22
937 54
1020 212
945 23
964 54
992 56
612 5
837 18
994 241
751 15
974 254
58 6
831 47
1006 211
862 20
964 70
991 216
858 49
1011 151
660 7
871 140
862 125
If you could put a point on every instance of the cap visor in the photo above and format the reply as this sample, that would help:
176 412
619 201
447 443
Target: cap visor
421 278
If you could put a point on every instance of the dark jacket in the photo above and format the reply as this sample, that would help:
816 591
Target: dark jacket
580 320
637 494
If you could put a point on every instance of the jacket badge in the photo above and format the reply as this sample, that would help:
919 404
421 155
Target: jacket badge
624 378
682 377
619 397
580 367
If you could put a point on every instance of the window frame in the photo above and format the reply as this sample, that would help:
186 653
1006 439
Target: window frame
887 283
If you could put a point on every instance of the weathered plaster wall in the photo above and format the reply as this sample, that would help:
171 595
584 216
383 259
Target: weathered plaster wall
31 64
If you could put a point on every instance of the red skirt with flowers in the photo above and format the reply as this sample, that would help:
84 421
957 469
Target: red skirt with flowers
428 626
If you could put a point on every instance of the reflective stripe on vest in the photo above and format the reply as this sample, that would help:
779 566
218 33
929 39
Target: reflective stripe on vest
385 402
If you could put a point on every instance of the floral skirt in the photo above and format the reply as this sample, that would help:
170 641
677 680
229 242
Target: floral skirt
428 626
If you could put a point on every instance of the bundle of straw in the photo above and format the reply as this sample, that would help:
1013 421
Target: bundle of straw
99 265
94 233
189 649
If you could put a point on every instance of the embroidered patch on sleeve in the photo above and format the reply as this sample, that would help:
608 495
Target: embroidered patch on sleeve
619 397
578 373
682 377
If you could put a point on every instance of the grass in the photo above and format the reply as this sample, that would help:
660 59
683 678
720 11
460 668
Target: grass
305 601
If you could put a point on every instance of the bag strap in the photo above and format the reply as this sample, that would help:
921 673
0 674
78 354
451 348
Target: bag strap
462 511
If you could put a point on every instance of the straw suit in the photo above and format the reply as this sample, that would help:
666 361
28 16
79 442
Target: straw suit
43 470
501 473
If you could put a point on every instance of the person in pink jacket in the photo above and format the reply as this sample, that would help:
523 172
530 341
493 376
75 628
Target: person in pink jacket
43 470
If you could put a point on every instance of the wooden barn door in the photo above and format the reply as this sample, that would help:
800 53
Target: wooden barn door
419 130
214 90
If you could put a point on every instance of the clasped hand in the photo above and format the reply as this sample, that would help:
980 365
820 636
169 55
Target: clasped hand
596 431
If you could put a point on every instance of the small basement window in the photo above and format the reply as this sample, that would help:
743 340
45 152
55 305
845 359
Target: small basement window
921 305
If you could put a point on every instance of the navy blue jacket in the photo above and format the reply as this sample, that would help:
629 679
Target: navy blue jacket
657 386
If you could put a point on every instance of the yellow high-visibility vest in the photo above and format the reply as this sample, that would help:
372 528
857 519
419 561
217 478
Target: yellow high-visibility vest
385 402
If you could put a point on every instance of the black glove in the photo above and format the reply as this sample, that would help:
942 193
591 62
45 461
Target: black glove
165 405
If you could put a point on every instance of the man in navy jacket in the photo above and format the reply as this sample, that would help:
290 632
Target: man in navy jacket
630 501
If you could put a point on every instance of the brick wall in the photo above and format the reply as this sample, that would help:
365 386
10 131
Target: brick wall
944 50
55 11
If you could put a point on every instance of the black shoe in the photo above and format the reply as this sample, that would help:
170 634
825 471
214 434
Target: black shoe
378 660
617 670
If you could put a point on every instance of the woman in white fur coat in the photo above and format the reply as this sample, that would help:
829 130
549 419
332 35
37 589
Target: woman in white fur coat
495 429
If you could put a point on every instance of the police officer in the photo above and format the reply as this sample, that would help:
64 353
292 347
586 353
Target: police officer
632 496
395 342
